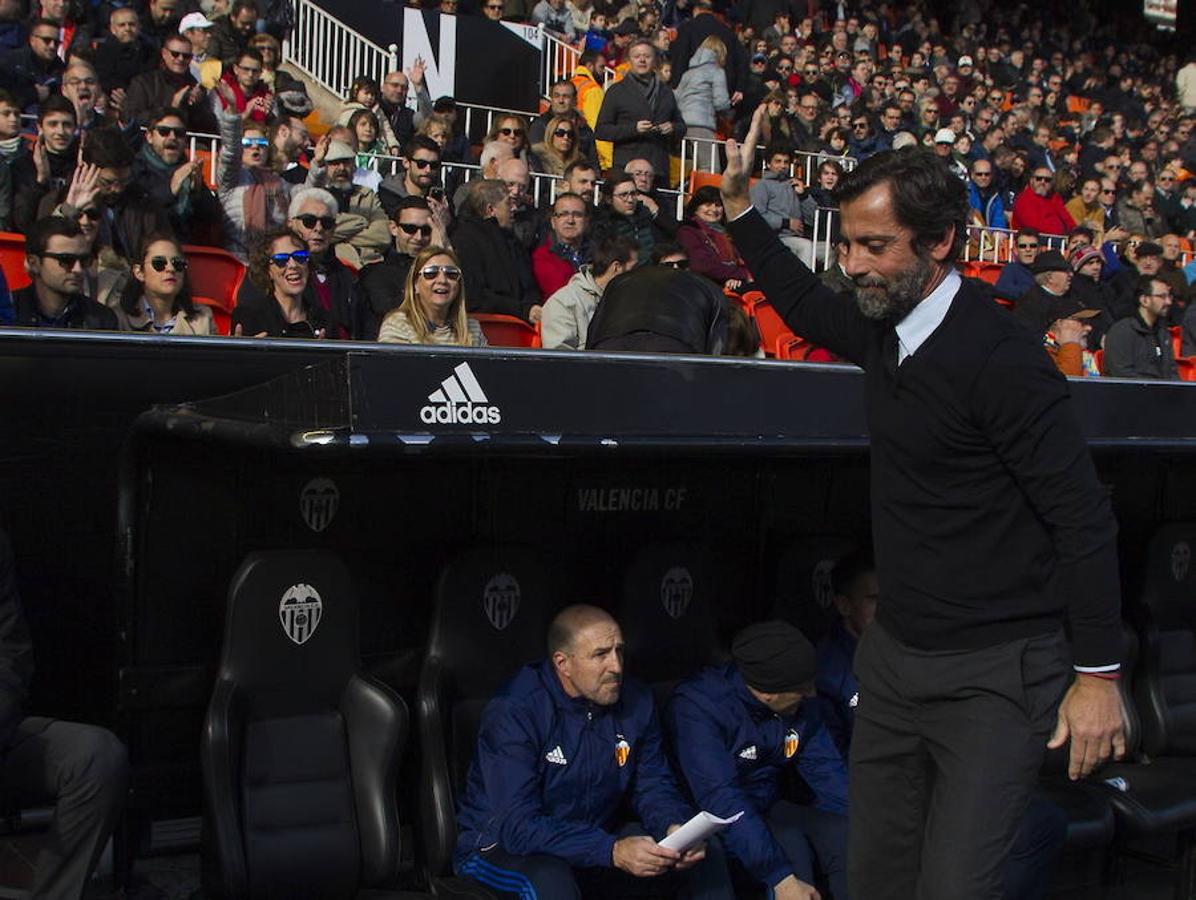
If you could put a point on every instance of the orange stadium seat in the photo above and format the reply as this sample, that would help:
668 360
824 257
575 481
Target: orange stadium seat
214 273
985 271
773 330
1177 340
506 331
1187 367
12 260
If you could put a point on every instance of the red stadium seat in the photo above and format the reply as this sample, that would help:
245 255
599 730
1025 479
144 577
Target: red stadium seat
220 313
12 260
506 331
793 348
1187 367
1099 356
1177 340
214 273
985 271
772 328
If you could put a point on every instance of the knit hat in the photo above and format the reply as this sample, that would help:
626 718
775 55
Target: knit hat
1081 256
774 657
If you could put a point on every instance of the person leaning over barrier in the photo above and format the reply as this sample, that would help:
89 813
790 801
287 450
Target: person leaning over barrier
990 529
566 750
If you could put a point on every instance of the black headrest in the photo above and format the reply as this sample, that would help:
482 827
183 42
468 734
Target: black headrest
493 606
290 638
666 611
804 588
661 309
1169 581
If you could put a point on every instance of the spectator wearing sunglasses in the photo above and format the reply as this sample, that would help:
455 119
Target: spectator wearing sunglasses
1040 207
433 307
559 149
57 255
420 177
34 72
1017 277
171 84
158 298
174 182
282 305
567 313
253 195
414 226
511 130
562 102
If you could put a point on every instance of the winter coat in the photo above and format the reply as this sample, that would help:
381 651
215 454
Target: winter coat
567 313
774 198
702 91
254 200
627 103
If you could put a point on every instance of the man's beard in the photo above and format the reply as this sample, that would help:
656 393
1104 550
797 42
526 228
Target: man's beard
890 299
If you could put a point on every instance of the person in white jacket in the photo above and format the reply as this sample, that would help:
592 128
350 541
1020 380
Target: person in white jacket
567 313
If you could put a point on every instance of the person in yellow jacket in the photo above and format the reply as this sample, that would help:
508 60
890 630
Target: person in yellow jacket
589 98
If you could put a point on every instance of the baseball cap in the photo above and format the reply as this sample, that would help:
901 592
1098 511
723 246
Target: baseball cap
964 61
194 20
1149 248
944 136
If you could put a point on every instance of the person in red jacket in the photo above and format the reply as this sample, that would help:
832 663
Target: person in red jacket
565 247
1040 207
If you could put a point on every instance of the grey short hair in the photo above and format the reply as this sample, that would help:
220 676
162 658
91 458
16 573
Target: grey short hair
492 150
311 193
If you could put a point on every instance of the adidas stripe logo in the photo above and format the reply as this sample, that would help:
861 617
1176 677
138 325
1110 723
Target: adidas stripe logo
748 752
557 756
855 700
460 400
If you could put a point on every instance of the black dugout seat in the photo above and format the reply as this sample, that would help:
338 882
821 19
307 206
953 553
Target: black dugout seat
299 749
805 592
493 606
667 613
1157 794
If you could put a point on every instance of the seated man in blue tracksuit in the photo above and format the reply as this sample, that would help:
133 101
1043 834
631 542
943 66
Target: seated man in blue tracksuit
565 748
735 729
1043 830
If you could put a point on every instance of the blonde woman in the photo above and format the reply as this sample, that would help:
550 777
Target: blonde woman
559 148
433 307
702 91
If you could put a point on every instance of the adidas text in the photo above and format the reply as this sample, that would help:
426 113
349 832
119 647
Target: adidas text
460 414
460 400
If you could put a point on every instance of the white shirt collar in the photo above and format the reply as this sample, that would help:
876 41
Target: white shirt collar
923 319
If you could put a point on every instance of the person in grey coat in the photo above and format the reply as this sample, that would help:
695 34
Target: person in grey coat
702 91
639 114
565 319
786 209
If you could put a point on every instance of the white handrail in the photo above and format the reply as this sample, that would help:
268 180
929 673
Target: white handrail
560 58
332 54
707 152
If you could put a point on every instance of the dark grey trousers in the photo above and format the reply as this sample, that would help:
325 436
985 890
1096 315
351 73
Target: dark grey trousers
946 749
82 771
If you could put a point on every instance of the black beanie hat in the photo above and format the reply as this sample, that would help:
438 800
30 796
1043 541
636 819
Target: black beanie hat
774 657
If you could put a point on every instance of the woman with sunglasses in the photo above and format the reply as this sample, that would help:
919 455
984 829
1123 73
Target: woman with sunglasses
559 149
270 50
254 197
433 307
158 299
278 268
510 129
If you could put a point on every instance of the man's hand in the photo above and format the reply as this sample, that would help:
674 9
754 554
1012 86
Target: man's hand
184 173
643 126
795 226
1068 331
693 855
179 95
116 100
226 94
416 73
1090 715
740 161
322 149
651 205
789 888
85 186
41 160
534 314
736 97
643 857
665 127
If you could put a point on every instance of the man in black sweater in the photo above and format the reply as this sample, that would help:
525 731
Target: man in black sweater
990 527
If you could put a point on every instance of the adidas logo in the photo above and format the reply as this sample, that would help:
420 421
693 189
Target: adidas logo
748 752
557 756
855 700
460 400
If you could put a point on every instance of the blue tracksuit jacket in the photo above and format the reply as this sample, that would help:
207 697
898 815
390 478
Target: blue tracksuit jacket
553 772
732 748
837 687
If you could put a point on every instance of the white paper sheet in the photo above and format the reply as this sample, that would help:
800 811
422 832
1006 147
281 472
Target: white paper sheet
696 830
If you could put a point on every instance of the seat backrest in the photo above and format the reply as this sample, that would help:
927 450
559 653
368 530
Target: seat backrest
667 611
506 331
12 260
214 273
1166 618
220 315
491 615
771 326
804 588
299 749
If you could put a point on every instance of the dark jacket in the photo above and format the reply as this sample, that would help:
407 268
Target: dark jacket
639 226
498 270
661 310
80 313
193 211
1134 349
625 104
28 191
16 648
547 777
1094 294
117 64
224 41
21 72
836 683
153 90
379 290
257 312
1014 281
732 750
977 459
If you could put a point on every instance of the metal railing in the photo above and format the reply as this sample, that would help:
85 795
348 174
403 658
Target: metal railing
706 155
332 54
996 245
559 59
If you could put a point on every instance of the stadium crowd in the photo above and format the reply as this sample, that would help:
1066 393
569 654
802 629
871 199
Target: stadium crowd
1070 130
